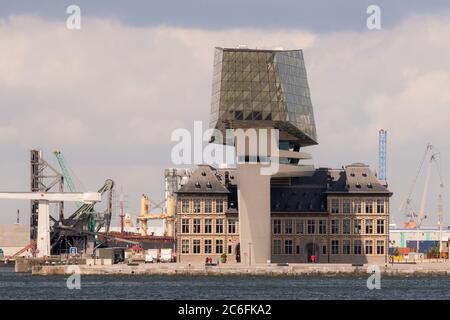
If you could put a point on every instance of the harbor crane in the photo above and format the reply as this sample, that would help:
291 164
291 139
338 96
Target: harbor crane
44 199
65 172
416 219
168 217
69 182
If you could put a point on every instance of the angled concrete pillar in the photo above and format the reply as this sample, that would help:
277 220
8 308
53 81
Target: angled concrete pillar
254 214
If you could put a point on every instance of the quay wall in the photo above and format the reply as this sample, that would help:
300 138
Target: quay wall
438 269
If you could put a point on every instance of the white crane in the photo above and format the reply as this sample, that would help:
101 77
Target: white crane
432 155
44 199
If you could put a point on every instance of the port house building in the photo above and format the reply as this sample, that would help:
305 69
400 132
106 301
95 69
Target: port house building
329 216
296 213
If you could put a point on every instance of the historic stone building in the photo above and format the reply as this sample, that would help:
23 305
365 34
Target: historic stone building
207 217
331 216
327 216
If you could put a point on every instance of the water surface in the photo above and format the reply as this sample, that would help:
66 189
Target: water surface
25 286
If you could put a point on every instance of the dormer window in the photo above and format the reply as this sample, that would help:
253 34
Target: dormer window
322 206
197 185
208 185
204 173
364 174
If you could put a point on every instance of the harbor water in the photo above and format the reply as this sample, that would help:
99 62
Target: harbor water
25 286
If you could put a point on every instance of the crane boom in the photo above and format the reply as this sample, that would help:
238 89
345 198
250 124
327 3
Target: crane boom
84 197
425 194
65 171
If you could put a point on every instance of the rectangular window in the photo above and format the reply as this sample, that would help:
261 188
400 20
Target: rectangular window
346 227
231 226
184 225
324 249
380 226
346 206
219 206
335 226
357 206
208 226
380 247
369 206
219 246
276 226
196 246
276 246
185 246
299 226
230 249
346 246
288 226
208 246
288 247
197 205
334 246
185 206
380 206
357 247
208 206
357 226
322 226
369 248
219 225
369 226
311 226
197 226
334 205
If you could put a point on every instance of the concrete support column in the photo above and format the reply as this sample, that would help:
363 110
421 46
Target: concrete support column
254 214
43 236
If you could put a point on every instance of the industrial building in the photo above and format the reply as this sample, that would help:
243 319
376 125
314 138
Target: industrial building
429 239
14 237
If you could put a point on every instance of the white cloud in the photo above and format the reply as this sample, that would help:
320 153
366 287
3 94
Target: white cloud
111 94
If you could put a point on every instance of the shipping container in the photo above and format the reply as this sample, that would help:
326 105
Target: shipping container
424 246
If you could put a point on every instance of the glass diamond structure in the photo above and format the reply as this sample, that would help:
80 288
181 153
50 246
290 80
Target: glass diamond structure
254 88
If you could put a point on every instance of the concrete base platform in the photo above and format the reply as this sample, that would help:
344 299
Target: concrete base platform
424 269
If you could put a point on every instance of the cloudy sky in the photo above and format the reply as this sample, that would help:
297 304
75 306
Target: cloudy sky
110 95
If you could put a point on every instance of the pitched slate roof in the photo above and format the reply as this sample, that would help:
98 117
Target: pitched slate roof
204 180
358 178
304 194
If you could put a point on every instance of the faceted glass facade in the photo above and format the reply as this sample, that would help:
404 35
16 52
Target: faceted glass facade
263 88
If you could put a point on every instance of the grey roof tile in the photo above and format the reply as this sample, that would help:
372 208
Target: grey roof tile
204 180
